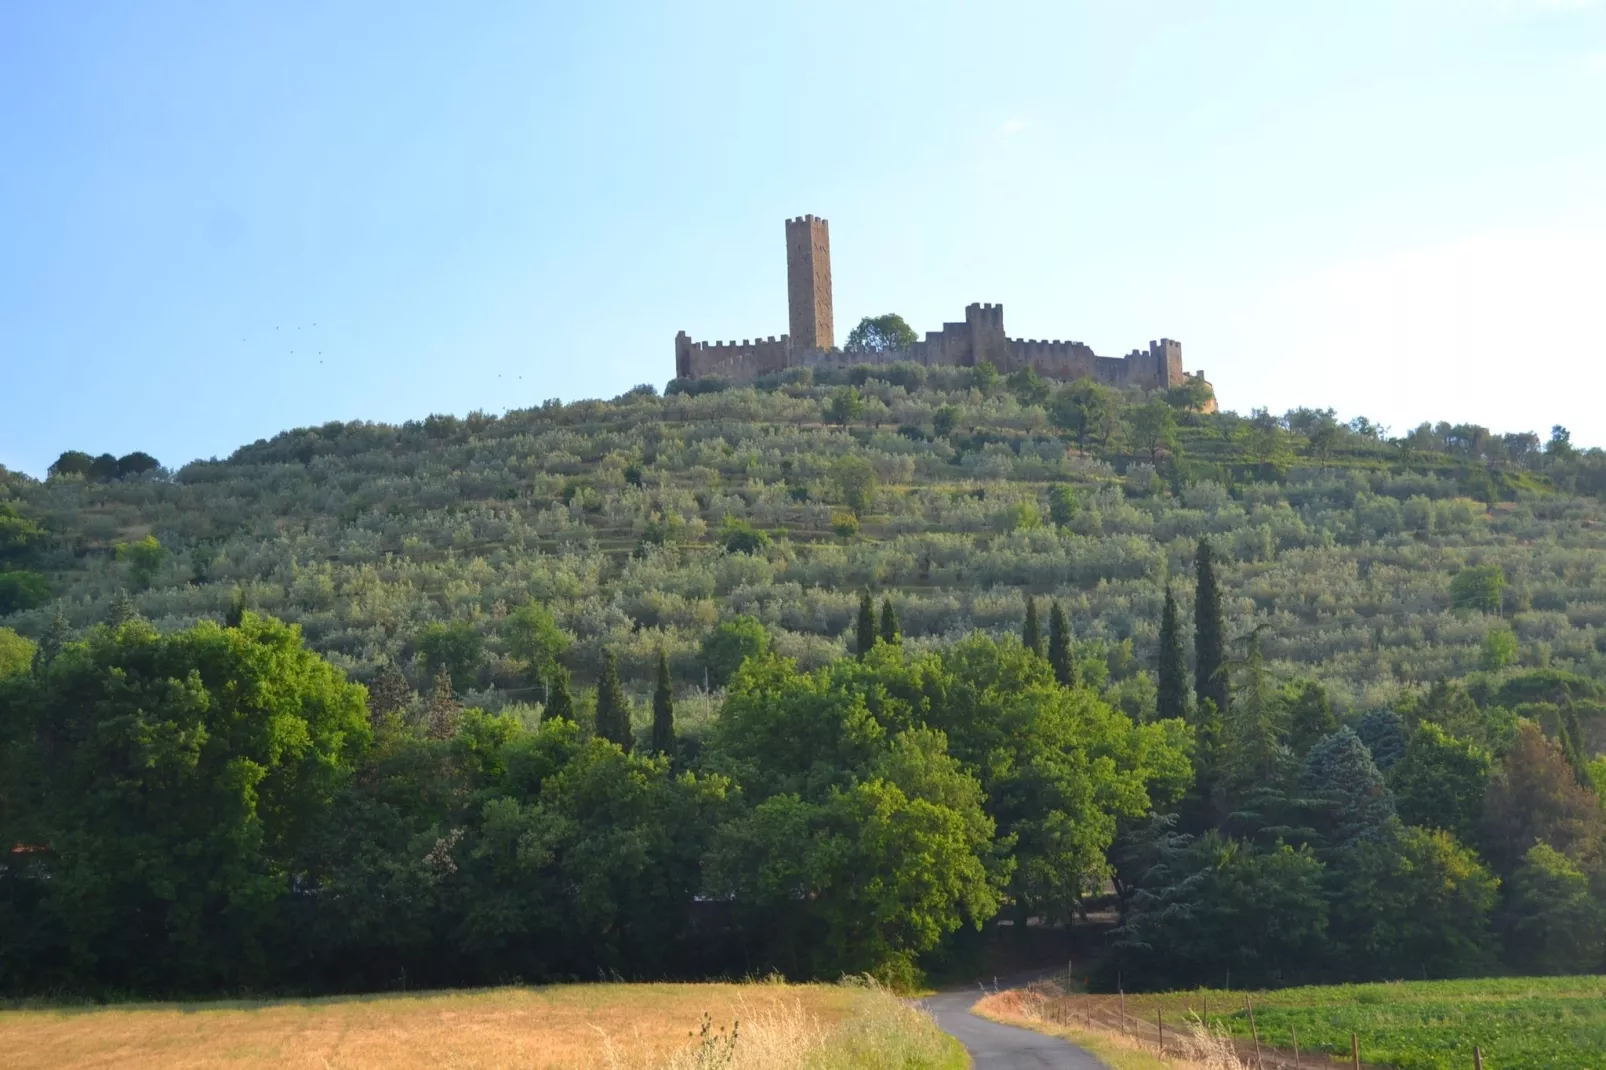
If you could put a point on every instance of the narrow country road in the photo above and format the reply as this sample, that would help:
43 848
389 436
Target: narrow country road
1004 1047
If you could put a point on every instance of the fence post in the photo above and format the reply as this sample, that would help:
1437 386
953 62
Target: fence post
1294 1030
1253 1032
1123 1009
1159 1021
1355 1050
1477 1058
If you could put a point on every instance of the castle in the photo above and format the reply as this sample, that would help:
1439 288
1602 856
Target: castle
980 336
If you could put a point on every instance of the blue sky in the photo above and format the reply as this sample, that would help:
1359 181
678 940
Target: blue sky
218 221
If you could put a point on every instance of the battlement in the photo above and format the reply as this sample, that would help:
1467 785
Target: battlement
978 337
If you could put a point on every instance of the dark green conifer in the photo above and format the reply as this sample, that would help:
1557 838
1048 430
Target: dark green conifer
123 609
1209 639
613 706
866 632
1310 717
1031 633
52 642
889 623
663 710
559 703
236 611
1059 647
1172 701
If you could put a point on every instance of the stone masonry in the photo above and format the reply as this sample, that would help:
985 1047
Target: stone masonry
978 337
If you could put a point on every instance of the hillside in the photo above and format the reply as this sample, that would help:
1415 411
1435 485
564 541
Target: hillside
619 514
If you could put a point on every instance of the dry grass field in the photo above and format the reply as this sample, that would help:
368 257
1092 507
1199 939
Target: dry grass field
619 1027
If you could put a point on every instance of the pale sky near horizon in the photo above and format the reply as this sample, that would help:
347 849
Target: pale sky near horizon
219 221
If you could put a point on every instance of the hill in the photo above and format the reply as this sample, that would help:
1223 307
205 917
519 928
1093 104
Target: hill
622 517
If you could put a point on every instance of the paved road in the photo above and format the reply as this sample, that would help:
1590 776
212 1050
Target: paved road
1004 1047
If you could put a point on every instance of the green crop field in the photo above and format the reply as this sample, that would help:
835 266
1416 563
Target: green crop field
1521 1023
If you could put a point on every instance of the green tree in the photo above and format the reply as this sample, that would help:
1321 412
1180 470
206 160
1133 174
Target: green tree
1081 407
122 609
1352 800
890 632
1499 650
1310 717
1556 924
53 642
1383 732
944 420
1060 655
1028 387
71 463
613 705
173 778
144 559
559 704
533 637
1440 782
728 645
1062 504
453 647
880 334
663 709
19 536
1172 668
1209 635
16 653
1154 428
136 464
984 377
865 634
1478 588
1413 902
855 479
22 590
1031 635
846 406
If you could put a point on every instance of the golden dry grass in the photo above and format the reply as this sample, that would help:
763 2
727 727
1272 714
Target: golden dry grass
572 1026
1192 1048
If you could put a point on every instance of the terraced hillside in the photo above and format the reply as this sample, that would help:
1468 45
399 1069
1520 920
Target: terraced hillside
644 521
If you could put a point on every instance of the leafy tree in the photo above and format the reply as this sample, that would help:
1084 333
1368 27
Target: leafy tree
1062 504
889 623
1081 407
559 701
1172 667
1499 650
16 653
441 712
1310 717
1384 735
1534 798
984 377
1028 387
728 645
122 609
844 524
533 637
22 590
741 538
944 421
136 464
454 647
865 633
1556 924
880 334
1209 634
1441 782
53 642
103 469
1154 428
1353 802
856 482
613 705
1060 655
1413 902
19 536
846 406
1031 636
71 463
171 779
144 559
663 709
1478 588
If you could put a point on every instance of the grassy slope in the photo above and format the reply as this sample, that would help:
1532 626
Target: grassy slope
782 1027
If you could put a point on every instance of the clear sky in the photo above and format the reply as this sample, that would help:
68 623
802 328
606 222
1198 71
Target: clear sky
221 220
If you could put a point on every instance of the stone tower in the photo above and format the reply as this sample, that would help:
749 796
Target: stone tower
808 283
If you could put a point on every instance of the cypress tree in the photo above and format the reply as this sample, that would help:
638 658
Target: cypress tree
1031 633
559 703
889 623
613 707
866 634
52 642
123 609
1570 734
1209 641
235 614
663 710
1173 666
1059 647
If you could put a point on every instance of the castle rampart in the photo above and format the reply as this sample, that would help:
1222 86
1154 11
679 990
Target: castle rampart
979 337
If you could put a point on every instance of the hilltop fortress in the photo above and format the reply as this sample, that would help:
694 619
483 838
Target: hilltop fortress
980 336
